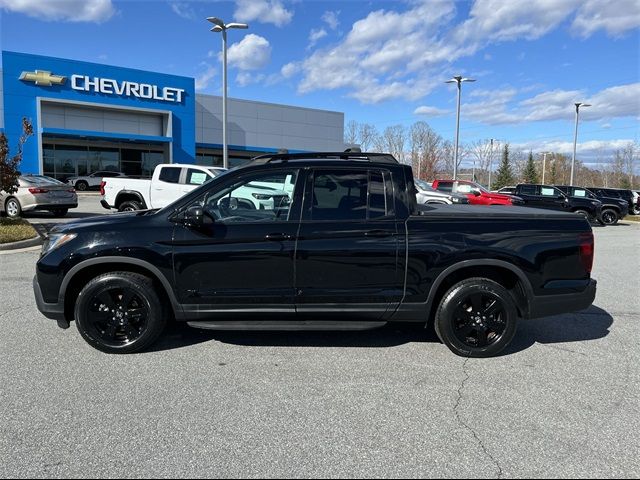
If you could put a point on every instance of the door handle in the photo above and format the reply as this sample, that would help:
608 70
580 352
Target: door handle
277 237
379 233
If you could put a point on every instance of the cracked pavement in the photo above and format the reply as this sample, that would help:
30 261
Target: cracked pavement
563 401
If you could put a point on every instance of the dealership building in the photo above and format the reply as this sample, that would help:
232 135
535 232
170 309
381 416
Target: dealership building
89 117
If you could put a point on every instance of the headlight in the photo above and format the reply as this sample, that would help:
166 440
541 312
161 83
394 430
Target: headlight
55 240
261 196
595 204
455 199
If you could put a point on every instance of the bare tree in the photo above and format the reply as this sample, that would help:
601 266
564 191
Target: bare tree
629 157
480 151
351 133
368 133
392 141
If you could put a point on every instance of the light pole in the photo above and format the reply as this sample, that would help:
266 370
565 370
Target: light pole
220 26
458 79
490 163
544 165
575 139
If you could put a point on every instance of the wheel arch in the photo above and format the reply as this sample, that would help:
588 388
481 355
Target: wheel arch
83 272
505 273
127 196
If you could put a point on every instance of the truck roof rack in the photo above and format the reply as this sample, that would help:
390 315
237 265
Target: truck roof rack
346 155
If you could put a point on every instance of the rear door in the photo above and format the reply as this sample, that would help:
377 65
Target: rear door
167 187
347 262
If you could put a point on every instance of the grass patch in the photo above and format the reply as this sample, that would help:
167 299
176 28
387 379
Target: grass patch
14 230
631 218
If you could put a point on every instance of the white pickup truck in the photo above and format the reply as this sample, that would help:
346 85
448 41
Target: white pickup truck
171 181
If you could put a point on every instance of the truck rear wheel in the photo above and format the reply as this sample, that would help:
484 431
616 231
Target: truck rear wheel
130 206
120 312
477 317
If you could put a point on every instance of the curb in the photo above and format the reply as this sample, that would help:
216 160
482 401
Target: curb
31 242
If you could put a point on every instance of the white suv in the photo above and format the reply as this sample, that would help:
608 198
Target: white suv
90 181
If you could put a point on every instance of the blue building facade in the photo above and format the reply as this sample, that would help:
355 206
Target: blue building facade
89 117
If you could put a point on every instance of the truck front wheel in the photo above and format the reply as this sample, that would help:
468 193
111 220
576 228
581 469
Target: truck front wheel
477 317
120 312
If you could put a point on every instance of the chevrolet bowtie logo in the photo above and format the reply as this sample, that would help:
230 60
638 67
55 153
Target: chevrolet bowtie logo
41 77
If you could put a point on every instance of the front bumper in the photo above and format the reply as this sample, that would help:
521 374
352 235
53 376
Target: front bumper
546 305
54 311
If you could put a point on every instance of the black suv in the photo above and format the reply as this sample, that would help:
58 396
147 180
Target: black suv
552 198
613 209
626 195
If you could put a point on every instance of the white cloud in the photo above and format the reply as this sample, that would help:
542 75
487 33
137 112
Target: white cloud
588 152
252 53
290 69
245 78
331 18
430 111
315 35
614 17
183 10
203 80
500 107
263 11
97 11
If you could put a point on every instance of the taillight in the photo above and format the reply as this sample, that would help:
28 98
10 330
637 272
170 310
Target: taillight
102 185
586 250
72 190
36 190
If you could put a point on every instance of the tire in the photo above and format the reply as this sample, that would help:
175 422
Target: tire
130 206
81 186
120 312
12 208
583 213
469 333
60 212
636 210
609 217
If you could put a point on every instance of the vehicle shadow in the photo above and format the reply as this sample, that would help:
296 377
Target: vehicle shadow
590 324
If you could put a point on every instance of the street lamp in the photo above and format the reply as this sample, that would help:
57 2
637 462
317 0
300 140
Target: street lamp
220 26
458 79
544 164
575 139
490 163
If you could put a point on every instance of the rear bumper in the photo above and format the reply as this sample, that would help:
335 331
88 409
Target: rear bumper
546 305
54 311
49 206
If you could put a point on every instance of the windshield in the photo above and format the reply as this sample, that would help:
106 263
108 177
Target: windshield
422 185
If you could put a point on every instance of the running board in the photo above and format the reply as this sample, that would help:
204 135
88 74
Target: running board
289 326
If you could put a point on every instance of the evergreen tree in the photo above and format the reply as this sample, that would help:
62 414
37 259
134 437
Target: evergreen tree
530 173
504 175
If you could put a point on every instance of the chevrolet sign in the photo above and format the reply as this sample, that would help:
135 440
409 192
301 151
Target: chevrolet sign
43 78
107 86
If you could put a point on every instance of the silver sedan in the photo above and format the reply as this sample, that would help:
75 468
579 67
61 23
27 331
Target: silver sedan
38 192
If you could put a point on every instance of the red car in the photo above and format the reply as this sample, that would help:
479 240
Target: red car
476 194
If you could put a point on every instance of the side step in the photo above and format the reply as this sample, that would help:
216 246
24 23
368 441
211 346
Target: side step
288 326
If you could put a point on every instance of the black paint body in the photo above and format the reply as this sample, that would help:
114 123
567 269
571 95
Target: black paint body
387 269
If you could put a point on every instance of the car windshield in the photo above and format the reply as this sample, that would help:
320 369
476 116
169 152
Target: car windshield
422 185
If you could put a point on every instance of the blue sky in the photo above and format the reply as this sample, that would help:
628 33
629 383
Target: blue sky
379 62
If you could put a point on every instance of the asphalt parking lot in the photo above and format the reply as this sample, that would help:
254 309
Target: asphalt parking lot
563 401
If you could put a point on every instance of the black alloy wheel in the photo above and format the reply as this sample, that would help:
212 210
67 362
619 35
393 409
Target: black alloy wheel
120 312
609 217
476 318
82 186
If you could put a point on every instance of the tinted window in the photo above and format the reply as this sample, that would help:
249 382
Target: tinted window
445 186
196 177
349 195
528 190
170 175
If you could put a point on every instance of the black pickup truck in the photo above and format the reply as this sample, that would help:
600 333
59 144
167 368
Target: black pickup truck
347 247
613 209
552 198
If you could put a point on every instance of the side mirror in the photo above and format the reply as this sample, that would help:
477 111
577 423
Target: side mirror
476 192
194 216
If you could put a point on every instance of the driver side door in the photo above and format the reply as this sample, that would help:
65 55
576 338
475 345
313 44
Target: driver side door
242 258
